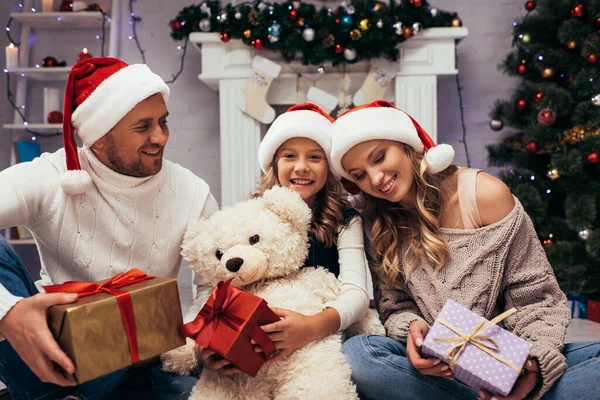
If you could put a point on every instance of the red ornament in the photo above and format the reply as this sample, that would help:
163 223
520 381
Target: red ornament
66 5
577 10
522 69
55 117
592 58
337 20
416 3
532 147
530 5
546 117
521 104
257 44
175 25
339 49
538 96
597 22
293 15
225 37
593 157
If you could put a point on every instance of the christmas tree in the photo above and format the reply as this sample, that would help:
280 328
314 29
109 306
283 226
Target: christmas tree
554 156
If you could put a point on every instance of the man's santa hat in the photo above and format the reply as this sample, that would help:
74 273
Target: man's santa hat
100 91
381 120
302 120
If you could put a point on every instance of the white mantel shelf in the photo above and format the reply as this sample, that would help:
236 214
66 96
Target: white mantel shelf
226 67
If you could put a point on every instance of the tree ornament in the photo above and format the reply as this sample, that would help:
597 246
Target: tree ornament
308 34
175 25
399 28
379 6
379 24
577 10
273 39
329 41
339 49
416 3
225 37
546 117
521 104
349 54
596 100
347 20
237 15
275 30
522 69
496 125
553 174
364 25
547 242
434 12
597 22
408 32
526 38
253 17
355 34
530 5
547 73
456 22
247 33
205 25
538 96
532 146
584 234
257 44
572 45
417 28
261 6
593 157
592 58
223 17
301 21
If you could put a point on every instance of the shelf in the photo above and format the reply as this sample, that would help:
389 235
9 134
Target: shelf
44 128
61 20
14 242
43 74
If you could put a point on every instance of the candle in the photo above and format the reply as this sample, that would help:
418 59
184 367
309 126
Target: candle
47 5
84 55
12 57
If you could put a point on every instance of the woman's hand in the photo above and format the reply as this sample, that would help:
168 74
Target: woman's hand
296 330
524 385
212 360
430 366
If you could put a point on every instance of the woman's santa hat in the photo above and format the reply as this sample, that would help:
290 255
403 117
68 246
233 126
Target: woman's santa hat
99 93
302 120
381 120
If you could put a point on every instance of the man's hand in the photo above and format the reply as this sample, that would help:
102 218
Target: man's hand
430 366
25 327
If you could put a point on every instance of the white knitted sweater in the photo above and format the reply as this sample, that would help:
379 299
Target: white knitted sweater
121 223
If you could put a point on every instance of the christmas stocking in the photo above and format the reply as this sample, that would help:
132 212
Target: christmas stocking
379 77
253 101
321 98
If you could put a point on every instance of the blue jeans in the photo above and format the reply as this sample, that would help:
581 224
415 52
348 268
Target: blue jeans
381 370
129 383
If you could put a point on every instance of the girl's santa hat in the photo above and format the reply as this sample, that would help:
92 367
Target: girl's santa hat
302 120
99 93
381 120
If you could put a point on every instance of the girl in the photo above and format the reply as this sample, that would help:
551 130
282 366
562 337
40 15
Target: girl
439 232
294 153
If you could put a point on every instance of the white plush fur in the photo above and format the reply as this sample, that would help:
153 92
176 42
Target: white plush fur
271 270
76 181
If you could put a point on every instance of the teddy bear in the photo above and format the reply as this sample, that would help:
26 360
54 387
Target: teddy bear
261 244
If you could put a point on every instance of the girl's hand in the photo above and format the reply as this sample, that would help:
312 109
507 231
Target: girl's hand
524 385
212 360
296 330
430 366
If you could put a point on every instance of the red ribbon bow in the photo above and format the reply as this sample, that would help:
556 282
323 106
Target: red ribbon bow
203 327
84 289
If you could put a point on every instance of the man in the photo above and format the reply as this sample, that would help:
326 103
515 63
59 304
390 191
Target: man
94 212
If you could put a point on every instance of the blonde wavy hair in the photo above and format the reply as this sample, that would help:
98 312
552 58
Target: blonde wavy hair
327 210
392 224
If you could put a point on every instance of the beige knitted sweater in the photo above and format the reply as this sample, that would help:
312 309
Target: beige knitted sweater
492 269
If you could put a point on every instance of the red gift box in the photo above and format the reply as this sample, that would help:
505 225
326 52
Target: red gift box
226 324
593 310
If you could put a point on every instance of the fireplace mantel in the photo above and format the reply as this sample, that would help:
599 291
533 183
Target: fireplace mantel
226 67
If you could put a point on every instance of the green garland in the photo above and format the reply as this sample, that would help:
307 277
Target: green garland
363 30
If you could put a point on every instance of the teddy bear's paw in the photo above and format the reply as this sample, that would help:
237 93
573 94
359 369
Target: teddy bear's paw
370 324
181 361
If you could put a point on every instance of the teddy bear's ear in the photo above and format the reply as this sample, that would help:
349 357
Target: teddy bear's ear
188 246
287 205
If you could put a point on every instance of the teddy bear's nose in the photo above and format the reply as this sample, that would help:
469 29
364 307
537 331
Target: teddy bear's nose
234 264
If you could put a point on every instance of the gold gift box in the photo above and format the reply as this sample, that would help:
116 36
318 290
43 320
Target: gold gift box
92 333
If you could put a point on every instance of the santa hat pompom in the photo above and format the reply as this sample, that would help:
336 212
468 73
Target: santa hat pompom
76 181
439 157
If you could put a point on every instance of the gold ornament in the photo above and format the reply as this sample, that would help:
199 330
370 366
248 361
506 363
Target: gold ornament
301 21
526 38
581 132
253 17
547 73
553 174
247 33
572 44
355 34
329 41
408 32
456 22
364 24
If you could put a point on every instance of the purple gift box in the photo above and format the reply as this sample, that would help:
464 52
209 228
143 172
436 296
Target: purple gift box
473 366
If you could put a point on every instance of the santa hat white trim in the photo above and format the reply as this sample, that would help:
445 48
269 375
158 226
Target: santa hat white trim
304 123
114 98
